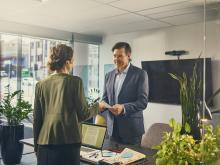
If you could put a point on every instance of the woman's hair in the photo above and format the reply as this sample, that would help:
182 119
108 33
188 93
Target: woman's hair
58 56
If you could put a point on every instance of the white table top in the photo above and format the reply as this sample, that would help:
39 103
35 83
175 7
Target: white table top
29 141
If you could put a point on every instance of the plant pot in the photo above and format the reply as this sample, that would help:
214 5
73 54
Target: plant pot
11 149
195 131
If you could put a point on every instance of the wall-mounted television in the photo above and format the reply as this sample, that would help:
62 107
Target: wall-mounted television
163 88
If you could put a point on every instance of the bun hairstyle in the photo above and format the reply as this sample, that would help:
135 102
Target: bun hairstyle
58 56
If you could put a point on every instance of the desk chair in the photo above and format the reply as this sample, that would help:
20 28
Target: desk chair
100 120
154 135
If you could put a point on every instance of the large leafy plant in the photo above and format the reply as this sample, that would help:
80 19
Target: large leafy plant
14 107
190 94
190 99
183 149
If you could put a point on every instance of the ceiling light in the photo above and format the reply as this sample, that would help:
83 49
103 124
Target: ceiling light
41 0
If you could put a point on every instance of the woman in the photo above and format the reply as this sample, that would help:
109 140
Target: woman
59 107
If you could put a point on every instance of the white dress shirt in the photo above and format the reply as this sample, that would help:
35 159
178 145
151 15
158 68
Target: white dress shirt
119 79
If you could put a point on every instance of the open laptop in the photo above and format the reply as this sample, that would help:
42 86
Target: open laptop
93 137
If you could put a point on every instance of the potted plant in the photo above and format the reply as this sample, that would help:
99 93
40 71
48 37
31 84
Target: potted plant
190 89
14 109
190 95
93 97
183 149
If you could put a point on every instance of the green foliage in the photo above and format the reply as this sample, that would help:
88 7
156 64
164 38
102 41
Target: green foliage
93 97
217 133
209 148
190 96
182 149
190 92
13 107
176 149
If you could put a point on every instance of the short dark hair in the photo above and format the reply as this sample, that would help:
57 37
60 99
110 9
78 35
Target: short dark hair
120 45
58 56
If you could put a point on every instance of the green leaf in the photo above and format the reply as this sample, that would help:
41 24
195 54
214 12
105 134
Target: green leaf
174 76
172 122
187 128
15 93
14 109
178 127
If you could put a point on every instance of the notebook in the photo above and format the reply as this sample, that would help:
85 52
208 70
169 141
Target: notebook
93 137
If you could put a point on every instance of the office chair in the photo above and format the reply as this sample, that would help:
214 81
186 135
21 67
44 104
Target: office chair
100 120
154 135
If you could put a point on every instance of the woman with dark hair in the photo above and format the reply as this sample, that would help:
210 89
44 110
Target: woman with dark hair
59 107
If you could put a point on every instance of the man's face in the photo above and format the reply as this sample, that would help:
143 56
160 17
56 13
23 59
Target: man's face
121 59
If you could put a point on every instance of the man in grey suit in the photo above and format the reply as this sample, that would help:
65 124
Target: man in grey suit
126 91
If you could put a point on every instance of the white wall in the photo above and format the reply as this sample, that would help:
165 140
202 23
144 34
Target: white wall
151 45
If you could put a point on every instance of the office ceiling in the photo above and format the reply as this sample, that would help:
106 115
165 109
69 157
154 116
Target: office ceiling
100 17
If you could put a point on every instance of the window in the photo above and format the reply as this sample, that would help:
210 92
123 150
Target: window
87 64
34 56
8 62
23 62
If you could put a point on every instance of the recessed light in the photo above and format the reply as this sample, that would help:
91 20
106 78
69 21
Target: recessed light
41 0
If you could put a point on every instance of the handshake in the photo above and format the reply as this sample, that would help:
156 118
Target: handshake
116 109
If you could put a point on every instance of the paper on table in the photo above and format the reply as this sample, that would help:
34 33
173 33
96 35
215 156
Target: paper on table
123 158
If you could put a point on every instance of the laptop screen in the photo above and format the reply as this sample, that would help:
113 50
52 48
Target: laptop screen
93 135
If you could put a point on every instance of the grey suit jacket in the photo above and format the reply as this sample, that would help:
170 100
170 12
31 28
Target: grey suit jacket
134 96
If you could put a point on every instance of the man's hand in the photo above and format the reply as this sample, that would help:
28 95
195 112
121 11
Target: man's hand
102 106
117 109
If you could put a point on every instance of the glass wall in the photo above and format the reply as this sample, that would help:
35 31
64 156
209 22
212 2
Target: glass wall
87 64
34 63
24 63
8 62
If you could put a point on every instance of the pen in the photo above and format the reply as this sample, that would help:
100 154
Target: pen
94 154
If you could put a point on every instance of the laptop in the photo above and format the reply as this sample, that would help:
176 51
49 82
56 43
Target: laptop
93 137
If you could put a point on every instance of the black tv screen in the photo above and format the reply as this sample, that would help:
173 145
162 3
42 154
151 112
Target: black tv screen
163 88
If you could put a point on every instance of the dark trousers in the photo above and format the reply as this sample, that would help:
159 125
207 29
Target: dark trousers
67 154
134 140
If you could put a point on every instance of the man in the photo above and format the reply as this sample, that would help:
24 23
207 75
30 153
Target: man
126 90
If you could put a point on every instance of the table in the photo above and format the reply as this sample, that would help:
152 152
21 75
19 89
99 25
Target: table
29 141
110 144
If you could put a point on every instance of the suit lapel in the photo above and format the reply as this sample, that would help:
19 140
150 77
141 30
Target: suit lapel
128 76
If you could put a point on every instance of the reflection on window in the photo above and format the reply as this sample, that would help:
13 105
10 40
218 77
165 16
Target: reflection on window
32 54
8 62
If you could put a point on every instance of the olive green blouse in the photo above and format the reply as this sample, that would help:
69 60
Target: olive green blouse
60 105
